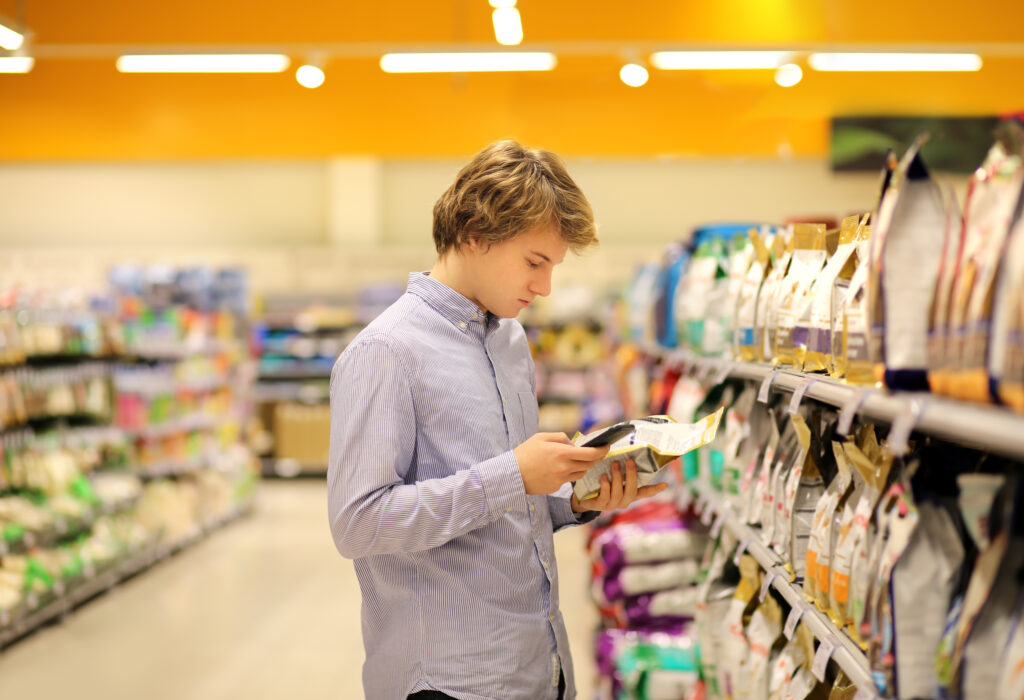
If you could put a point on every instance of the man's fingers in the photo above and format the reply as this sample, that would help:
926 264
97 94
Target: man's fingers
587 454
630 487
650 490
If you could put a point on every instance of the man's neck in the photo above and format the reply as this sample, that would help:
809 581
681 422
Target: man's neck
447 271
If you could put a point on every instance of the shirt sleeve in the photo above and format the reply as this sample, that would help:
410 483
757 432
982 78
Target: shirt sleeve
560 507
372 509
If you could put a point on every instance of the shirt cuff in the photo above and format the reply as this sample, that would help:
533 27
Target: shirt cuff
503 484
562 515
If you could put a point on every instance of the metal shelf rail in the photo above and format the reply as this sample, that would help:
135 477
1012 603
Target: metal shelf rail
989 428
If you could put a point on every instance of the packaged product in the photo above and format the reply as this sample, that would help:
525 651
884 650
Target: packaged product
849 483
737 434
632 659
1011 677
819 544
736 649
702 291
923 582
762 423
765 322
638 579
647 542
714 599
741 255
807 486
656 441
750 287
807 261
711 457
785 666
755 510
1006 361
851 331
763 632
790 454
673 605
639 300
992 200
873 466
907 250
940 341
992 594
674 262
842 534
818 307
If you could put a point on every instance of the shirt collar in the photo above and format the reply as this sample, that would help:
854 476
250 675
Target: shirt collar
459 310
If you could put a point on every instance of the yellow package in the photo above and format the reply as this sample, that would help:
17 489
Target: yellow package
994 196
839 299
807 261
656 441
767 299
831 523
1007 356
939 332
746 308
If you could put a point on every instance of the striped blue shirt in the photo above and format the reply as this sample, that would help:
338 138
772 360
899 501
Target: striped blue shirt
455 561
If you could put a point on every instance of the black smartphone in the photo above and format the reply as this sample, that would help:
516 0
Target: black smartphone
610 435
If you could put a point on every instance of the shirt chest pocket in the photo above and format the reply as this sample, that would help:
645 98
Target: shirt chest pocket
529 412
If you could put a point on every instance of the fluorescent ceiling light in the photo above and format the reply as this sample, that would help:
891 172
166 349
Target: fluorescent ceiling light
718 60
203 63
508 26
10 39
466 62
895 61
16 64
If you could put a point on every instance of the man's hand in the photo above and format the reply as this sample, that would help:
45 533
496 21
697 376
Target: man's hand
548 460
619 492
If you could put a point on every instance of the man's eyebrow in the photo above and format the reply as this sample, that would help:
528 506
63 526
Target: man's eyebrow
546 258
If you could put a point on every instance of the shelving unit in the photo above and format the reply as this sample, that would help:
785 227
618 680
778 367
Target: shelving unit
15 626
982 427
842 650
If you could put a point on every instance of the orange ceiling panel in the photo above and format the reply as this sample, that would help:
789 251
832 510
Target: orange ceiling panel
82 108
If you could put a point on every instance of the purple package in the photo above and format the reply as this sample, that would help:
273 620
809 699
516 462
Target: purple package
649 542
673 606
635 580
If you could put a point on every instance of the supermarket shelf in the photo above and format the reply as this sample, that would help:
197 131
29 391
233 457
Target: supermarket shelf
294 375
292 468
23 621
63 529
980 426
847 655
283 391
169 469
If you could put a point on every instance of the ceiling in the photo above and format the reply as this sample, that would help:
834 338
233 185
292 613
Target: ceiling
74 105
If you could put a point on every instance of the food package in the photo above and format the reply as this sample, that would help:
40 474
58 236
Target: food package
656 441
701 295
741 255
675 604
736 649
818 305
747 305
923 583
993 198
819 544
809 488
647 542
766 319
906 252
940 341
1006 360
832 522
807 261
639 579
842 533
764 630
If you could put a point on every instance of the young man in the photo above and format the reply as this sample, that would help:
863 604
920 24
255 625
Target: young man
439 486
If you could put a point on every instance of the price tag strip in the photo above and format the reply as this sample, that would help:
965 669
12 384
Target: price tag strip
766 386
826 647
850 409
741 549
766 583
716 527
798 395
793 620
899 436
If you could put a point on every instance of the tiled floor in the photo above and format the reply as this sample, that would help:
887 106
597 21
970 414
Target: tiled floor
262 609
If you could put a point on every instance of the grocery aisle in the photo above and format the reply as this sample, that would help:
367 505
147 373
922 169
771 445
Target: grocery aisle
264 608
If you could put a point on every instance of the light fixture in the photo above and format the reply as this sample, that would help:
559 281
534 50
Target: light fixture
310 75
502 4
16 64
203 63
634 75
871 62
9 38
718 60
789 75
508 26
467 62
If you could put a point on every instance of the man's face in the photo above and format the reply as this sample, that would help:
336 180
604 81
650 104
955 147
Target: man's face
505 277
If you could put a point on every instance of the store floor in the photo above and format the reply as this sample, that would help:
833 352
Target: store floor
264 608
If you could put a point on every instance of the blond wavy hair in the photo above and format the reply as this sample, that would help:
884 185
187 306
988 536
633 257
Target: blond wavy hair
508 189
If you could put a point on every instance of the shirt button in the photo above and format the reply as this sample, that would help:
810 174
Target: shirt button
531 507
462 325
551 617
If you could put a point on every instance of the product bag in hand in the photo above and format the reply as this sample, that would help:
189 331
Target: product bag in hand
656 441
